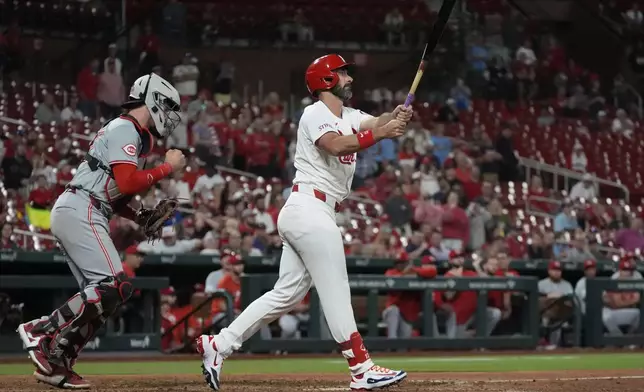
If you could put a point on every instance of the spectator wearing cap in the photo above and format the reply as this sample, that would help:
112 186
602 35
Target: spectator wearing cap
632 238
590 272
585 189
553 303
231 284
621 308
112 51
111 91
578 159
185 77
169 244
213 278
403 307
456 225
565 220
132 261
168 318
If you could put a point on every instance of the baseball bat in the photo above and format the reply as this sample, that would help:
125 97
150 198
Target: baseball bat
432 41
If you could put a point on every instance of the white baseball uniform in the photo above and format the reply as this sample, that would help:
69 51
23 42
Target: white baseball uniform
313 252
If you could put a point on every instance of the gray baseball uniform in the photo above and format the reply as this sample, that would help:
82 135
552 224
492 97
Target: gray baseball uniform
614 319
80 217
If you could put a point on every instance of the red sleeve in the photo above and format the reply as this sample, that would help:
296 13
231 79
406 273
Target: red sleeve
131 181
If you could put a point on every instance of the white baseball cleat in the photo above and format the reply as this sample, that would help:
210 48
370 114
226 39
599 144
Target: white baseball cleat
212 361
36 344
376 377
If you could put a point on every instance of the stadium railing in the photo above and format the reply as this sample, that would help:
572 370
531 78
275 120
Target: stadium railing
254 285
186 338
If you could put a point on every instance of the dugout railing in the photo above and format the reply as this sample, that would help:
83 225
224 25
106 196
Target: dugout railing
208 325
254 285
57 289
595 329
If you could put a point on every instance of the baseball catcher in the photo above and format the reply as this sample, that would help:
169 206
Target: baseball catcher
104 183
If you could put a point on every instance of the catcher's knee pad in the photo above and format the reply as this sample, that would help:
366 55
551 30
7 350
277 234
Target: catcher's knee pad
114 291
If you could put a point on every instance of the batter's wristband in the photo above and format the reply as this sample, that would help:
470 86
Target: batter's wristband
366 139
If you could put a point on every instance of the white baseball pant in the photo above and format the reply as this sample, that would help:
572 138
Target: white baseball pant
615 318
313 254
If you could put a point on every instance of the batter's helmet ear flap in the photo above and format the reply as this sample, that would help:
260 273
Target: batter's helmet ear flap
321 74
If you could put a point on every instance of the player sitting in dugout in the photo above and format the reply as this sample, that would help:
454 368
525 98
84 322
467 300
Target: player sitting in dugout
231 284
460 306
403 307
621 308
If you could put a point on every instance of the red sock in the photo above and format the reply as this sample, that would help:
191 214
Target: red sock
356 354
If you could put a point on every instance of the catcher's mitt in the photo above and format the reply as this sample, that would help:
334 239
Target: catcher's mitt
152 220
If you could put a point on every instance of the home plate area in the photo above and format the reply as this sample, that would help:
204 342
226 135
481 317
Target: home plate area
561 381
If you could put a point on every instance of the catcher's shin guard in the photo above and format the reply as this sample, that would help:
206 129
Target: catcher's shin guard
82 315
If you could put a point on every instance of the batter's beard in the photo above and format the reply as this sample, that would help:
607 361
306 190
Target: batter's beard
344 93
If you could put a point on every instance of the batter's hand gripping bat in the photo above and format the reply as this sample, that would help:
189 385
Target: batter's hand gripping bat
432 41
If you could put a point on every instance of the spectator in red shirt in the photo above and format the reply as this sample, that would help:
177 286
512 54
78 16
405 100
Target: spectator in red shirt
456 226
42 196
537 191
261 148
87 88
63 177
403 307
148 41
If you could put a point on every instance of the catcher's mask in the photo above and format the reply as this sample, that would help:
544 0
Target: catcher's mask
161 99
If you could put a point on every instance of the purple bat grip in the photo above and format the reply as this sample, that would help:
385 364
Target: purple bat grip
409 100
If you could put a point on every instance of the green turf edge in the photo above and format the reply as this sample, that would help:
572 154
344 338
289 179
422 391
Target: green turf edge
333 364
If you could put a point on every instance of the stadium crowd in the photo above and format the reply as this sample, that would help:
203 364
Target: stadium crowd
433 195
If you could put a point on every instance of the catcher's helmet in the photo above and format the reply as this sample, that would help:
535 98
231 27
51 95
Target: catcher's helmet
161 99
320 75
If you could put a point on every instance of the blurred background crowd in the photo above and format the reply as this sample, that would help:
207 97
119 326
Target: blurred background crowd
515 147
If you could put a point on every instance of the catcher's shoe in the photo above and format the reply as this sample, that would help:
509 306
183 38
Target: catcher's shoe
37 345
376 377
212 361
63 378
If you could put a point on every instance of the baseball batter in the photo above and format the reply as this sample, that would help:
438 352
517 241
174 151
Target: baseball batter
105 182
328 138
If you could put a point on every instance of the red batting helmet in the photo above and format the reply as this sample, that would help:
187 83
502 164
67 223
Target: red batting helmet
320 75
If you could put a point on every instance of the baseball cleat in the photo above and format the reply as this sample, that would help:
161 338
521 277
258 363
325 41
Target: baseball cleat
36 345
376 377
212 361
62 378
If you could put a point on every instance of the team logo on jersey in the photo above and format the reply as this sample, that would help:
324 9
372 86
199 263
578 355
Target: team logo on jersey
130 150
348 159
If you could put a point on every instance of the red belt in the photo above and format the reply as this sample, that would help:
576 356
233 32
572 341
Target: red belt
318 195
95 202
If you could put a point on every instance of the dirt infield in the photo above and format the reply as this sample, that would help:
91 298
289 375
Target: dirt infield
559 381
